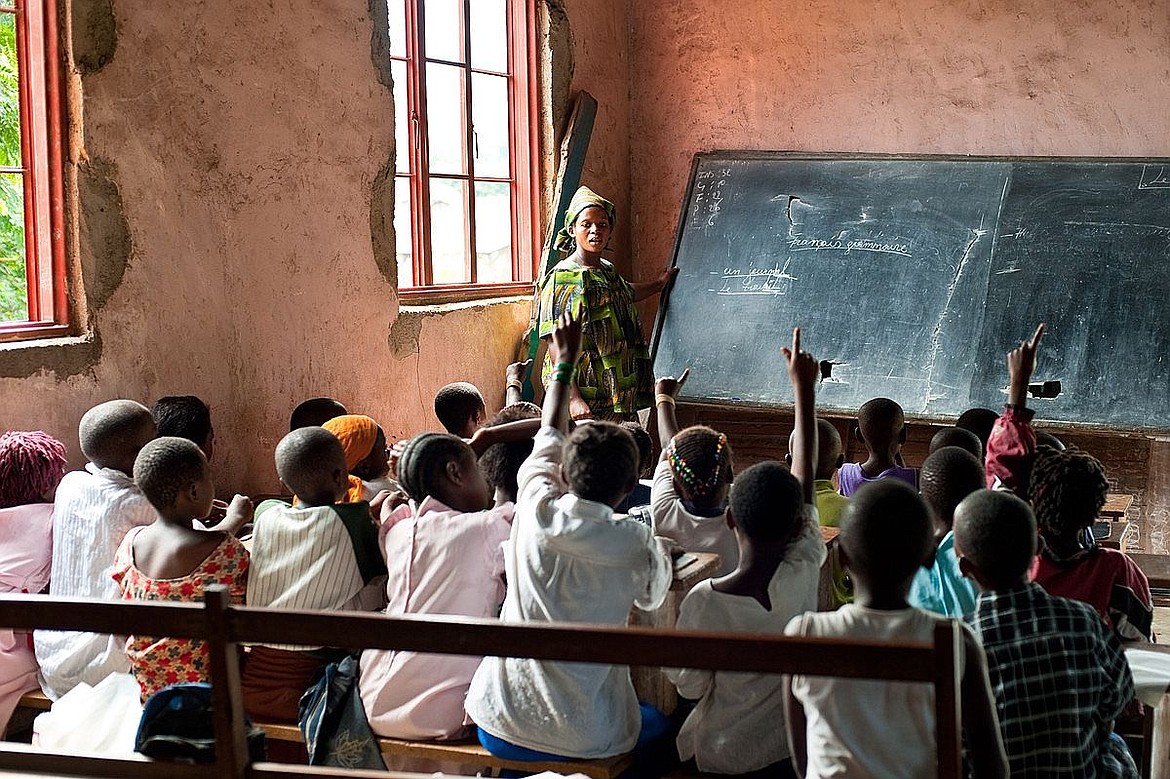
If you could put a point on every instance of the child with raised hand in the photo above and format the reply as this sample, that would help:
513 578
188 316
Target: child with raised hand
947 477
848 727
570 560
881 426
1010 447
688 497
92 512
737 726
1059 675
31 467
444 555
170 560
830 503
321 554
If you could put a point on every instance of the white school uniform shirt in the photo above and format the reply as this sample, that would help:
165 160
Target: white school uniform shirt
738 724
864 728
692 532
92 512
440 561
568 560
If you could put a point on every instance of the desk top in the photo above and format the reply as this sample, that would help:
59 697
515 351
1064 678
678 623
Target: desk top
1156 567
694 571
1116 505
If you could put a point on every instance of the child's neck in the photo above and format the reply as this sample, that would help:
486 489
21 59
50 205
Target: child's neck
1064 546
879 461
884 599
753 575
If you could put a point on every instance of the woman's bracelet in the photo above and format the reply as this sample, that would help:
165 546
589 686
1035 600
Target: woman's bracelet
663 397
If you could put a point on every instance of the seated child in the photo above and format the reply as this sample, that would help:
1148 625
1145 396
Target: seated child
1011 444
501 461
460 408
315 412
93 511
881 426
444 554
737 726
1059 675
641 494
853 727
957 436
185 416
321 554
947 476
169 560
1068 489
830 503
31 466
364 445
688 499
978 421
569 560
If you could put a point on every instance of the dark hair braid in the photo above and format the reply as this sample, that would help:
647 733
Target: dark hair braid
422 462
701 459
1068 489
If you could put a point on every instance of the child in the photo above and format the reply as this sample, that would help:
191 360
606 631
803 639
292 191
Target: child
321 554
881 426
947 476
501 461
1058 672
364 445
31 466
169 560
846 727
93 511
569 560
957 436
641 494
185 416
460 408
688 499
736 727
978 421
830 503
315 412
444 554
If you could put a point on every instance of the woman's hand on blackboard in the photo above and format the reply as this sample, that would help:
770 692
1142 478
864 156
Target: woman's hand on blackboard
668 385
1021 363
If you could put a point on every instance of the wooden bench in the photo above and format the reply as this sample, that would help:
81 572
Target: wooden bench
225 627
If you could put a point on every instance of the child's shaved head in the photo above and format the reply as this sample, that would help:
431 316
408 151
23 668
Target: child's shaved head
979 421
881 422
460 408
311 463
315 412
957 436
996 531
765 503
886 534
167 466
113 432
828 449
948 476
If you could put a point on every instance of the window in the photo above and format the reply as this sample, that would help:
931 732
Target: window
32 263
463 187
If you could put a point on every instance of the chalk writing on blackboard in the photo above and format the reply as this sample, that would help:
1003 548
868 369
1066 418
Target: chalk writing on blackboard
899 247
753 280
1155 177
708 199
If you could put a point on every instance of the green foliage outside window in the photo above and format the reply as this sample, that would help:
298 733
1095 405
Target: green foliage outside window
13 289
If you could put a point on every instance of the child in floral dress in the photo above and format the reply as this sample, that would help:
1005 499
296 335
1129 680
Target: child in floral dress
172 560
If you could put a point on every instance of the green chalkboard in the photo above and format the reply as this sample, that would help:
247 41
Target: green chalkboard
915 275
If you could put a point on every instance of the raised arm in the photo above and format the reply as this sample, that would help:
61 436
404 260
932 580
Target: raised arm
514 376
803 371
665 393
566 347
484 437
1012 444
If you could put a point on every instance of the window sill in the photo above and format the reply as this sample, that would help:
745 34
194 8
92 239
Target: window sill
32 333
462 293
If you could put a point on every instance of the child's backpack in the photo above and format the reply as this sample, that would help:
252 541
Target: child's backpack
177 724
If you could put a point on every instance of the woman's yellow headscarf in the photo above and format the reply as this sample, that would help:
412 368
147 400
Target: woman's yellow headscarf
583 198
357 434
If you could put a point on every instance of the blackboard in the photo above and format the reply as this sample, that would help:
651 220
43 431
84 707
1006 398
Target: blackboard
916 275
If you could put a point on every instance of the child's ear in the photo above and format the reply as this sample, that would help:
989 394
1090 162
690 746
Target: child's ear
730 520
788 459
857 433
840 461
453 472
341 478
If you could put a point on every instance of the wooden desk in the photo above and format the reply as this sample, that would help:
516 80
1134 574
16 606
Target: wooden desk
1116 505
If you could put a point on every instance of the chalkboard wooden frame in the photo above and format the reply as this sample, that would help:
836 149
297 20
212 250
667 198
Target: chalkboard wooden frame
1112 353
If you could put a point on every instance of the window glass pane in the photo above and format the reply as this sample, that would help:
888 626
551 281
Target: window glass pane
446 118
402 244
13 275
401 118
449 231
489 35
493 231
9 94
489 96
444 29
396 11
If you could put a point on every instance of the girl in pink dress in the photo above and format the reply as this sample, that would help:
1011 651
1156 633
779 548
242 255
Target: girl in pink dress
31 465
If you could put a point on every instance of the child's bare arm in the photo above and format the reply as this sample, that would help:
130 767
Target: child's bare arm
796 726
980 723
566 346
239 513
505 433
803 371
1021 362
665 391
514 376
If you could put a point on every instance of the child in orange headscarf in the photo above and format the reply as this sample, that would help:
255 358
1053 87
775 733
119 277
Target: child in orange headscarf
364 445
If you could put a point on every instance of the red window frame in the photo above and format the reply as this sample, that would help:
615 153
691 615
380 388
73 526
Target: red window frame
41 165
523 155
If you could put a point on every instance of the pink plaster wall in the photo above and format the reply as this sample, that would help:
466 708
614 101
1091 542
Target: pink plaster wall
1030 77
245 138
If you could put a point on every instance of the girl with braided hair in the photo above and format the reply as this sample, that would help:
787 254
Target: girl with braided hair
31 466
444 556
688 497
1068 489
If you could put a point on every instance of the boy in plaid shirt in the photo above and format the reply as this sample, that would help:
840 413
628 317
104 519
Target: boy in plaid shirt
1057 670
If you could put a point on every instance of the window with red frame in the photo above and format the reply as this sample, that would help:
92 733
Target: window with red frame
32 274
463 187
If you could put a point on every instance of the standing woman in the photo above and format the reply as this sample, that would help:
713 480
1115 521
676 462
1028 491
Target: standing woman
614 375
